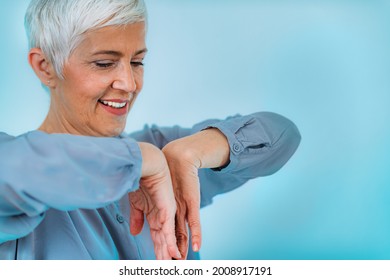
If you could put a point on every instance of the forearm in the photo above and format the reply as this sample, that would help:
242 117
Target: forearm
237 149
260 144
40 171
66 172
251 139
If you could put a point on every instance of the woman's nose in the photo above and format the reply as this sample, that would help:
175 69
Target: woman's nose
125 80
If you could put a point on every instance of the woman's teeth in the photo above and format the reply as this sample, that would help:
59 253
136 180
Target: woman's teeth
113 104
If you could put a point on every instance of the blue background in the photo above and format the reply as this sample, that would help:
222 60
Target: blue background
323 64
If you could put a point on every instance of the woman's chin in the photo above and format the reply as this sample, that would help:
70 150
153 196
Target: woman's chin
107 129
113 131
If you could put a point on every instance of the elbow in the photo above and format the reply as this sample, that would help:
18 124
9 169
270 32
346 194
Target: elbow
291 138
284 148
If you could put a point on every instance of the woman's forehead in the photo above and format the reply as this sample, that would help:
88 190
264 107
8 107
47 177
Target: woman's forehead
124 39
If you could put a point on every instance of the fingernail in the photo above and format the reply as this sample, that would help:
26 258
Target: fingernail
178 255
195 247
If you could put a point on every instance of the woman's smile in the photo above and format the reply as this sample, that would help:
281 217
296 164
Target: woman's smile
116 106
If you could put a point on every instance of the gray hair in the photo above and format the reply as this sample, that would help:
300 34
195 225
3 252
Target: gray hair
57 26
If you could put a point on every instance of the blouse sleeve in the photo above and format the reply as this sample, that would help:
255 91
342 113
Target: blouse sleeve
40 171
260 144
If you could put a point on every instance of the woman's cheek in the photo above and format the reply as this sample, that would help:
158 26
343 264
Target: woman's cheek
106 81
140 80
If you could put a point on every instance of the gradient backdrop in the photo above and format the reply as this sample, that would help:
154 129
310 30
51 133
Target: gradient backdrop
324 64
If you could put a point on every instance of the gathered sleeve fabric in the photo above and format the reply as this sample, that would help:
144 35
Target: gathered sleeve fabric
260 144
39 171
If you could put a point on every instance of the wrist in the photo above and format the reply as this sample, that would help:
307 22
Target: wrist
183 151
153 160
216 151
208 148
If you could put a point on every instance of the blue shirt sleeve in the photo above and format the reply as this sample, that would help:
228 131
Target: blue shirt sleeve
40 171
260 144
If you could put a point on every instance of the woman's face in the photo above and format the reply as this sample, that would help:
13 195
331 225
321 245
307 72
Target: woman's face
102 79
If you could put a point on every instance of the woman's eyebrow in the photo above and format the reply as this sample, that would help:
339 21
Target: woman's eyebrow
114 53
117 53
145 50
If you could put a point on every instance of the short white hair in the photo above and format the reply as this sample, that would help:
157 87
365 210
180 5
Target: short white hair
57 26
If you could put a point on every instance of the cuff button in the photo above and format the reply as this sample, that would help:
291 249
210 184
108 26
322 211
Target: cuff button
236 147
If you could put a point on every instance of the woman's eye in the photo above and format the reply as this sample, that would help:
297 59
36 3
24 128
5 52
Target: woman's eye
137 63
103 64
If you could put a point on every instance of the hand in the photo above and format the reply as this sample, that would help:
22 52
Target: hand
155 200
206 149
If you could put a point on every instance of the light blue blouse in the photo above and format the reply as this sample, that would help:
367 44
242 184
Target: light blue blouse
65 196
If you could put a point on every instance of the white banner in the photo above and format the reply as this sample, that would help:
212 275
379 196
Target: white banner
263 269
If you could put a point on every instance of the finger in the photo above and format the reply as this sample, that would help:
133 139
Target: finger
136 221
157 245
190 183
194 225
164 247
170 240
158 253
181 230
181 234
161 254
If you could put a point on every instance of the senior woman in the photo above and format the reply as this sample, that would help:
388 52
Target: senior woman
79 187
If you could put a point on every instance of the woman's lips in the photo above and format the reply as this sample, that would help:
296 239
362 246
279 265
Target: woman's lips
117 107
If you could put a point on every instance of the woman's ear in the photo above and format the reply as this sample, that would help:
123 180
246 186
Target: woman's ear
42 67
